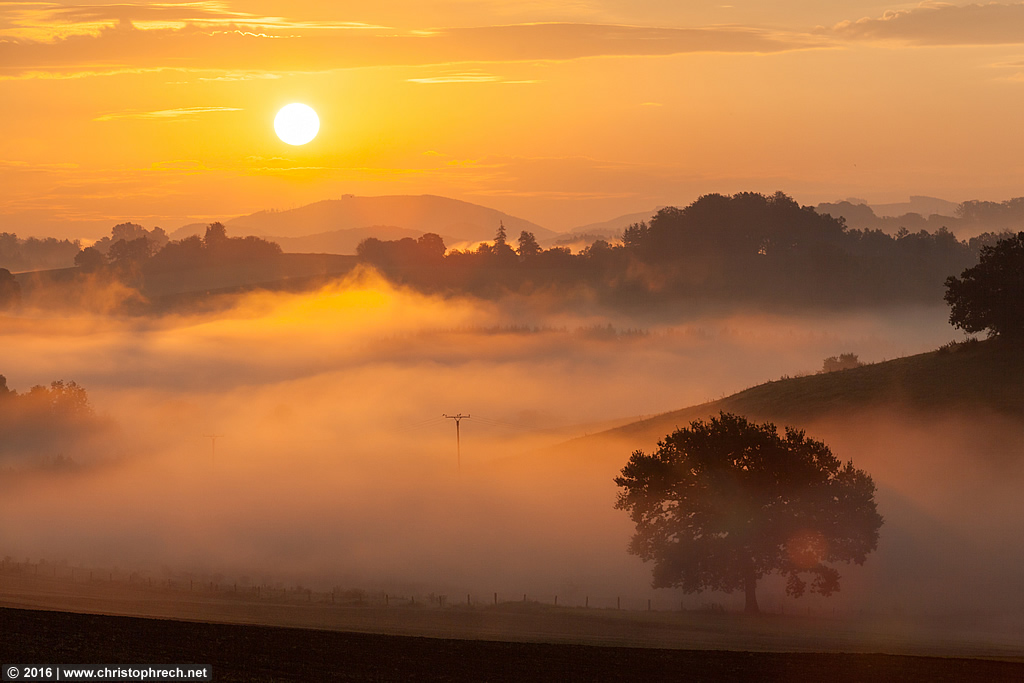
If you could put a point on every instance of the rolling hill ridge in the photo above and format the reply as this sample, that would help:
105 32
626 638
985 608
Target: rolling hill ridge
969 377
451 218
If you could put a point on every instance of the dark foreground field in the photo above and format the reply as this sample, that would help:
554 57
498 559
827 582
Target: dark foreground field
267 653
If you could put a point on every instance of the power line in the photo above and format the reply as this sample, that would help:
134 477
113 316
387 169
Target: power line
520 427
458 440
213 443
419 425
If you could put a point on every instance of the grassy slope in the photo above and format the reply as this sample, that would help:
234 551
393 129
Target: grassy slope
984 376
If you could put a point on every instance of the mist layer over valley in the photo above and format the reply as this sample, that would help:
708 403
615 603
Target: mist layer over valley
334 465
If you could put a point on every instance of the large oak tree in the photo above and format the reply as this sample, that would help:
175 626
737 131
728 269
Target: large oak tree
722 503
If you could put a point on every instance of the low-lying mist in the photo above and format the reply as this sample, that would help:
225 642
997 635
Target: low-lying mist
334 464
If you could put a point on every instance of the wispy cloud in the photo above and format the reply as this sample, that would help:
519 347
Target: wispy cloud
467 77
64 73
49 21
991 23
235 51
184 112
251 76
26 165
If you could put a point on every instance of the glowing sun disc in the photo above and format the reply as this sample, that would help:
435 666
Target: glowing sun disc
296 124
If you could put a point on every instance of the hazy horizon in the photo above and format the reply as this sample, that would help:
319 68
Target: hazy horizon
562 115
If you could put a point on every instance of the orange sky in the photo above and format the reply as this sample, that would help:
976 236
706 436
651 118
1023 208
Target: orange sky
562 113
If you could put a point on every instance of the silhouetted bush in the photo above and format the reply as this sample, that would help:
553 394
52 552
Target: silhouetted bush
844 361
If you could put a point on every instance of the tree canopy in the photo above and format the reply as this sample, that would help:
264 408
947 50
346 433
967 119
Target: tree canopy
746 249
722 503
990 296
45 423
35 253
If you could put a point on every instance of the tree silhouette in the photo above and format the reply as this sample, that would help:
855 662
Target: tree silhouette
502 251
742 249
35 253
528 245
69 400
90 259
129 232
431 247
722 503
635 235
991 294
126 253
46 424
10 290
216 235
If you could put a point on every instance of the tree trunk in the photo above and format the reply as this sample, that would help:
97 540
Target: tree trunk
751 589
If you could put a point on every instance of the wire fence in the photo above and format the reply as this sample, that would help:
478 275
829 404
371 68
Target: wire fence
277 592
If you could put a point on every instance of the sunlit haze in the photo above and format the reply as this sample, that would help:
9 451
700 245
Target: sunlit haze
690 333
563 114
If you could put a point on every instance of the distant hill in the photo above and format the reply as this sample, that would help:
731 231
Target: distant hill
965 220
971 377
343 240
454 219
862 217
612 229
919 204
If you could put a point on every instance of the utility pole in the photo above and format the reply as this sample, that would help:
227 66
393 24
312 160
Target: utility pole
213 443
458 440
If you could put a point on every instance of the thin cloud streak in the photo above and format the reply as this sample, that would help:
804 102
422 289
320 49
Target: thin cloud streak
468 77
166 113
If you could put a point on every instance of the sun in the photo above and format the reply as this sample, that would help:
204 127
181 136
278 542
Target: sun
296 124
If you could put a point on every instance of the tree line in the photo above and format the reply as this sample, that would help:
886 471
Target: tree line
747 248
132 250
46 424
35 253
